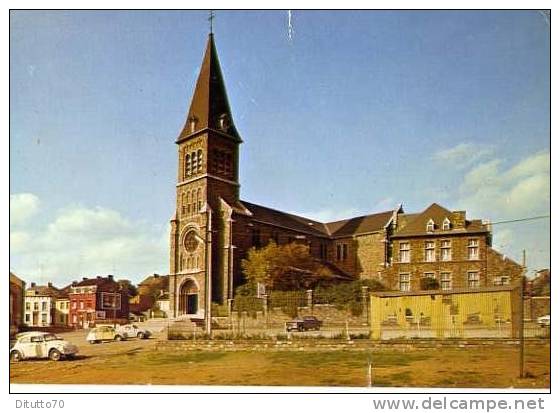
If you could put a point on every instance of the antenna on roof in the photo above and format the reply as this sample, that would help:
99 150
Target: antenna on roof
211 17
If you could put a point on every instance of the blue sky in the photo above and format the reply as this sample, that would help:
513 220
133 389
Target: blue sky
358 112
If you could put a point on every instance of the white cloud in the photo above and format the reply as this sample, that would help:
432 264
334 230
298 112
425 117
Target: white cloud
22 207
464 154
517 192
491 190
331 215
88 241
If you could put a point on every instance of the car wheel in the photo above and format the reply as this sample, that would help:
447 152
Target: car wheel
300 328
118 338
140 335
92 341
15 356
54 355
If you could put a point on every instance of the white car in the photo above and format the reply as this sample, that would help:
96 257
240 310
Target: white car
38 344
104 333
132 330
544 320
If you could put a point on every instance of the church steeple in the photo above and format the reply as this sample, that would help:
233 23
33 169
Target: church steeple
209 106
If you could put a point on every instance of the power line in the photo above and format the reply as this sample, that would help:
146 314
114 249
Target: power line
520 220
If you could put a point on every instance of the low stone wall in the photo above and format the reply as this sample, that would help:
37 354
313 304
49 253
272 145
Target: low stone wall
330 345
329 314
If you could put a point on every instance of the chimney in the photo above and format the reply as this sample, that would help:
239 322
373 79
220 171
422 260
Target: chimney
459 219
74 282
49 284
110 277
99 277
84 278
33 285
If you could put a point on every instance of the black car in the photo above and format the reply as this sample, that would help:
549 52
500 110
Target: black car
303 324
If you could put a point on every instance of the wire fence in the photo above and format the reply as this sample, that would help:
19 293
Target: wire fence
495 313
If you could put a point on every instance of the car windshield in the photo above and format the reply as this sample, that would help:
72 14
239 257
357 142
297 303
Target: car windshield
51 337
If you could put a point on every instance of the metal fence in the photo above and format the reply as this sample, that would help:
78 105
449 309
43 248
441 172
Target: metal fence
495 313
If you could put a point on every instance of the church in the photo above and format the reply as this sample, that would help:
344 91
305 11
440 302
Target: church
213 228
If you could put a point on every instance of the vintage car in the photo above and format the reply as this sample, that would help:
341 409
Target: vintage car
104 333
304 324
38 344
132 330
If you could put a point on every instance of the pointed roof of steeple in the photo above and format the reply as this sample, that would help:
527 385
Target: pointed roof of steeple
209 106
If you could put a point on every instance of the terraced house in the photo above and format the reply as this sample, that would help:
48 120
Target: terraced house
213 228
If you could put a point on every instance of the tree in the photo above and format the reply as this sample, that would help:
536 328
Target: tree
429 283
283 267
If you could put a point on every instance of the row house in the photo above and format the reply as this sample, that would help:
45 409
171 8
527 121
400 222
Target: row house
40 305
97 300
62 308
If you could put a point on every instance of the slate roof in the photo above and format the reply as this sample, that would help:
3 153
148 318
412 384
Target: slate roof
416 223
44 290
343 228
103 283
359 225
209 100
285 220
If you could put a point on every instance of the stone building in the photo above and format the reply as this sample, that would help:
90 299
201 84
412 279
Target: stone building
212 228
17 302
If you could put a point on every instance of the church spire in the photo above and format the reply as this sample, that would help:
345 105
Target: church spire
209 106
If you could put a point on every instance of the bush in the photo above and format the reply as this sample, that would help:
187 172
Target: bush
428 283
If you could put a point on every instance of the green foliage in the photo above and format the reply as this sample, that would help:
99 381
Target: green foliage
283 267
347 295
428 283
219 310
288 301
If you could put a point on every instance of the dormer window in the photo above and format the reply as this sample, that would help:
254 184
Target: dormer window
223 122
192 123
446 224
430 226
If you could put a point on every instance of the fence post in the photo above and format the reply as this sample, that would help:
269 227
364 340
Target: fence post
522 328
310 299
365 302
265 310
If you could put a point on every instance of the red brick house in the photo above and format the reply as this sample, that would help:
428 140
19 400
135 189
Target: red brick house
97 300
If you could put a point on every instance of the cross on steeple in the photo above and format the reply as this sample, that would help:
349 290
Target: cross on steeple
211 17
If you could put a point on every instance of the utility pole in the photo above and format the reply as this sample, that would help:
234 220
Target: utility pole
522 320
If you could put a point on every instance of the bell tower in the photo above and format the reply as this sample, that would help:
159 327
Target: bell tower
207 178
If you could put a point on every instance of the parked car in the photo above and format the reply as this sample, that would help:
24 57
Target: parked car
304 324
544 320
38 344
104 333
132 330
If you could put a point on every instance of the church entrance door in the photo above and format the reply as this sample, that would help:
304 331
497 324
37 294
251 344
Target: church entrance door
188 298
192 303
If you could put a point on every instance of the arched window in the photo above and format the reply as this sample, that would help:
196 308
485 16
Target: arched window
199 160
187 165
446 224
188 202
183 204
198 200
189 263
194 163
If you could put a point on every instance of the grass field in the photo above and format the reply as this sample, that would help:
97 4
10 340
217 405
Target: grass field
137 363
